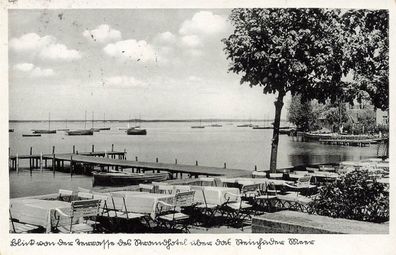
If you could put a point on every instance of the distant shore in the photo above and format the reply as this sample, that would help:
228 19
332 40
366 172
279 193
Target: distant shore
154 120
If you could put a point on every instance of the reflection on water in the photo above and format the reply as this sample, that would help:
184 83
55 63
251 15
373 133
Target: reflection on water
240 147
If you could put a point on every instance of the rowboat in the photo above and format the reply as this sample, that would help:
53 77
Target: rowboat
31 135
136 131
44 131
122 178
198 126
104 128
80 132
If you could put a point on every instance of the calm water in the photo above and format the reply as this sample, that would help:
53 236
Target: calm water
239 147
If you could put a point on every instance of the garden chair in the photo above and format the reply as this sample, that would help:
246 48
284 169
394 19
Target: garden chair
165 189
122 212
81 209
205 209
18 227
84 195
169 216
65 195
236 211
302 185
146 188
267 197
182 188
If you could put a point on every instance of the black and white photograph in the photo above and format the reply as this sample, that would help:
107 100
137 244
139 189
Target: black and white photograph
172 121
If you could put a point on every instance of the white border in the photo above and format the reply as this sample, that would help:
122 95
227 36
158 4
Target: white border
325 244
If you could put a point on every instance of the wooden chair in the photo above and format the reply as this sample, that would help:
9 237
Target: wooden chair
18 227
65 195
84 195
146 188
122 212
165 189
303 184
236 211
267 197
170 216
182 188
207 181
207 210
80 209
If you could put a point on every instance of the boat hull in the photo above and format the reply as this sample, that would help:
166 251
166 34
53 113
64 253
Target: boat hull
124 179
44 131
135 131
80 132
31 135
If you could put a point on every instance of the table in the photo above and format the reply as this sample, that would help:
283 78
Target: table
215 195
142 202
38 212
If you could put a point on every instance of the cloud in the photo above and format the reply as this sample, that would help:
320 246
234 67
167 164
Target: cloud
34 71
124 82
165 38
131 49
193 78
46 47
191 41
203 23
103 33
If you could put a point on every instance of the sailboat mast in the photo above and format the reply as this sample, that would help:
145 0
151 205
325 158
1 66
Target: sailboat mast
85 120
49 121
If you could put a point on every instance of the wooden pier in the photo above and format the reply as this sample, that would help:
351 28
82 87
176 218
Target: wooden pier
86 161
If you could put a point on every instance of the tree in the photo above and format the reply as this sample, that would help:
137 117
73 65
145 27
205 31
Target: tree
303 114
366 50
287 50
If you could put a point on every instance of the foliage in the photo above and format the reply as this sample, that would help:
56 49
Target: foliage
283 50
303 114
366 52
355 196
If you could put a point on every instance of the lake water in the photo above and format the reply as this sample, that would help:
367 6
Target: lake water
211 146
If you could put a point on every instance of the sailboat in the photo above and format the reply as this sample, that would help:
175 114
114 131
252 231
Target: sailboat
84 131
215 125
93 128
104 123
45 131
200 126
246 125
64 129
136 130
263 127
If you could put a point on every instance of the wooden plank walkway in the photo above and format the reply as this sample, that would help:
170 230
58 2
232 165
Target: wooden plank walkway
108 159
153 166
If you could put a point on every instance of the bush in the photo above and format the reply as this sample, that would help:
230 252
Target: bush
355 196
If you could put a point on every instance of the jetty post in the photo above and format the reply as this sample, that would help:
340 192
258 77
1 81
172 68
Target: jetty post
124 156
53 164
196 162
112 147
225 165
74 149
71 165
175 161
93 148
17 163
41 161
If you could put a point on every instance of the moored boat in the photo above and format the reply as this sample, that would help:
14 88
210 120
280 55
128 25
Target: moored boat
31 135
80 132
104 128
122 178
136 131
44 131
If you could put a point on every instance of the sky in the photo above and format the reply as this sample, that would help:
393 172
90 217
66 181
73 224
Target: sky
152 63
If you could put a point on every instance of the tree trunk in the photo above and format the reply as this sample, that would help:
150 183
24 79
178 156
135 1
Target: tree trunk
275 137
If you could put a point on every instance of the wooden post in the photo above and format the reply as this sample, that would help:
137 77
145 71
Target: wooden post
53 149
17 163
196 162
71 165
53 163
45 163
136 158
105 155
112 147
41 162
93 148
175 161
255 167
74 149
225 165
125 152
156 160
30 159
